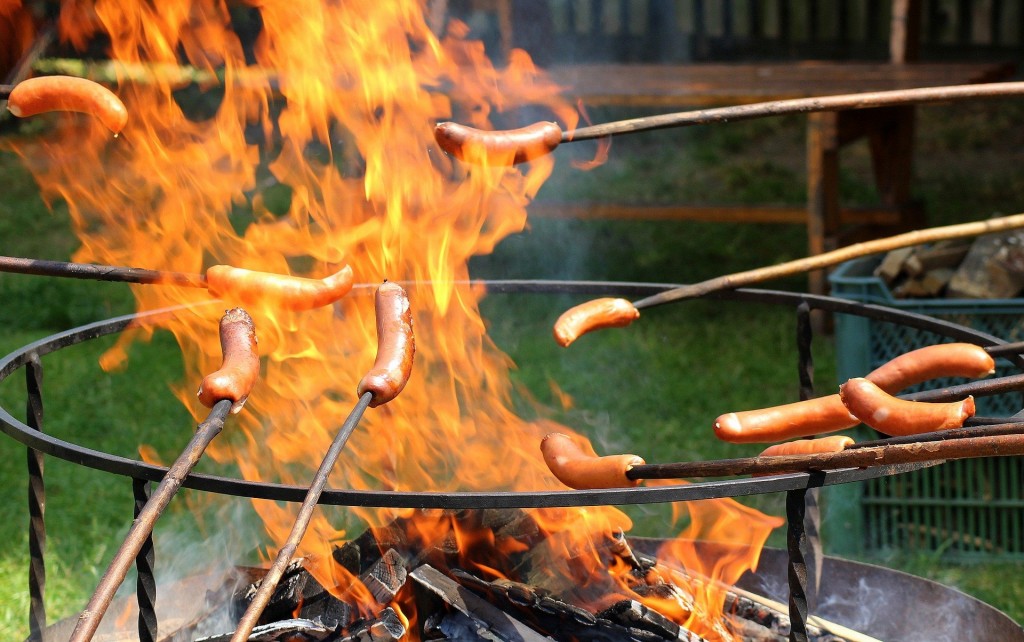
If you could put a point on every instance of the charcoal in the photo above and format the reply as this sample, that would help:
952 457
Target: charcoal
297 593
558 619
292 630
387 627
386 577
455 627
635 614
489 623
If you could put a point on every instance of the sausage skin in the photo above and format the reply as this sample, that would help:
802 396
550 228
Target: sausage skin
241 362
508 147
832 444
576 469
289 292
593 315
396 346
892 416
829 414
68 93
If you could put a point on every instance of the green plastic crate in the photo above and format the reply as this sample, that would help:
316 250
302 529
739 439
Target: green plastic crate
965 509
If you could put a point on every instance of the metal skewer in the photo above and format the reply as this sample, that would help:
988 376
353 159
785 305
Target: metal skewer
94 272
141 528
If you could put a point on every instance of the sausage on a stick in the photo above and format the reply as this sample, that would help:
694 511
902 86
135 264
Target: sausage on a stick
828 414
895 417
831 444
250 287
68 93
241 365
499 148
593 315
396 346
576 469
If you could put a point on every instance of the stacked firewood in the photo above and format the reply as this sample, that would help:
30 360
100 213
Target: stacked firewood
990 267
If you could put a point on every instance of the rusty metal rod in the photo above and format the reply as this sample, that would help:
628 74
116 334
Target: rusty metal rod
89 620
945 435
842 102
94 272
970 447
285 554
828 259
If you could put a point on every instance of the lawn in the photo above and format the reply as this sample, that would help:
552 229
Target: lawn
653 388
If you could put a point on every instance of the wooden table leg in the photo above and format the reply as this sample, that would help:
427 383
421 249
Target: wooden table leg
822 189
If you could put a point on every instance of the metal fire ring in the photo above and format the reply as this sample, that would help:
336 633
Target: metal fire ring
80 455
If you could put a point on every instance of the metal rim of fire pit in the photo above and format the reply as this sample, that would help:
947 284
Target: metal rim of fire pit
136 469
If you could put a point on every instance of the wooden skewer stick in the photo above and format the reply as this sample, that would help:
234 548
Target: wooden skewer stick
828 259
94 272
840 102
971 447
5 91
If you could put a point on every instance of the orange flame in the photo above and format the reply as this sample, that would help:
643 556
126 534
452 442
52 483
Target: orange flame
308 147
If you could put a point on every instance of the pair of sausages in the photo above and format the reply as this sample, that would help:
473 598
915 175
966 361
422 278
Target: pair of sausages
240 367
68 93
829 414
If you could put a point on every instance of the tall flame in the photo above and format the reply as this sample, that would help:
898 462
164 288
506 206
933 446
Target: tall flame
322 127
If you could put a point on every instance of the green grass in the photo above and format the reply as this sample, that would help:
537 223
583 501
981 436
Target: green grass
652 389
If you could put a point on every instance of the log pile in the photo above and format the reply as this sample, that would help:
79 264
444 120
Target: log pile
990 267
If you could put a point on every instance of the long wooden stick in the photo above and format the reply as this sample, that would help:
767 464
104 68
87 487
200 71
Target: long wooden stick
828 259
840 102
971 447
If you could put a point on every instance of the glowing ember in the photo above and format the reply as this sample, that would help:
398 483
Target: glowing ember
333 106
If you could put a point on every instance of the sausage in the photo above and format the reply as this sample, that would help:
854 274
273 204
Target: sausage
593 315
289 292
932 362
831 444
579 470
894 417
788 421
828 414
508 147
396 346
241 364
68 93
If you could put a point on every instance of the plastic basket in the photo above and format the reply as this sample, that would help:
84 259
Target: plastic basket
966 509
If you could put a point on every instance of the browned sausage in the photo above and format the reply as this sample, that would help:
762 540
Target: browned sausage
828 414
296 293
508 147
593 315
788 421
396 346
68 93
932 362
241 364
832 444
576 469
893 416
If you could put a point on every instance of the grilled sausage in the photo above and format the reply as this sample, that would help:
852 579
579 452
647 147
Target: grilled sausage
295 293
893 416
508 147
828 414
396 346
832 444
593 315
241 362
68 93
576 469
932 362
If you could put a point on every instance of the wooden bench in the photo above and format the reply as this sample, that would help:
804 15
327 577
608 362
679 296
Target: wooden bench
679 86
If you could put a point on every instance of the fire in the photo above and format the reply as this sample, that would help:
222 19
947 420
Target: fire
300 150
